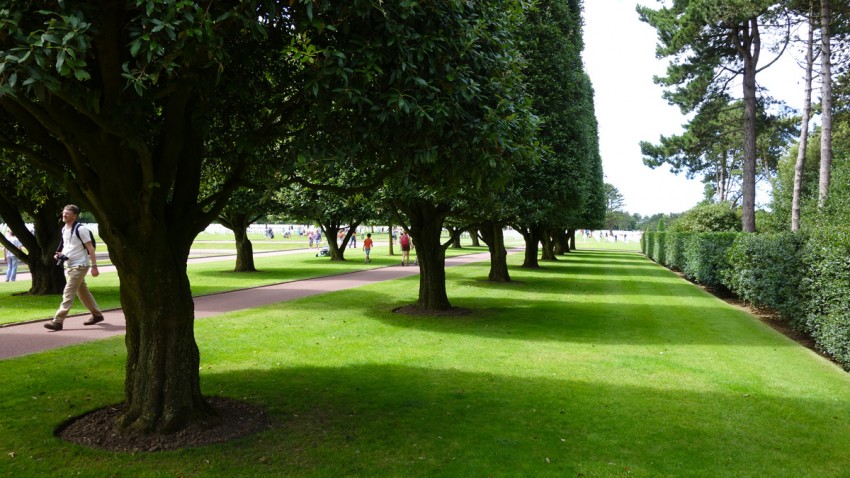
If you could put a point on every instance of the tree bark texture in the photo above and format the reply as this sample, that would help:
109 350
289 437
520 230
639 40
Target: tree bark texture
491 233
799 166
748 44
162 385
426 227
826 104
571 239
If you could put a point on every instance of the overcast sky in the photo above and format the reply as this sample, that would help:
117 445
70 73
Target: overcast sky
620 58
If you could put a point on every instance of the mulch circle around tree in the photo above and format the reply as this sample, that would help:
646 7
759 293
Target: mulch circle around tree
99 429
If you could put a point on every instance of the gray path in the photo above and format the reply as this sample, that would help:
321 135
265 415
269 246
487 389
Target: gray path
32 337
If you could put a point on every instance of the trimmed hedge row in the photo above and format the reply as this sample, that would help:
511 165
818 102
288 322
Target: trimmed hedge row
804 277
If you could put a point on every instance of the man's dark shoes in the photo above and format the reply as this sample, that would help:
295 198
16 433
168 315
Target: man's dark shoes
94 319
53 325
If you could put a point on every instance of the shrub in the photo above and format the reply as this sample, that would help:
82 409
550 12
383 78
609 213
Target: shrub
708 217
660 246
765 269
705 258
674 257
650 244
825 286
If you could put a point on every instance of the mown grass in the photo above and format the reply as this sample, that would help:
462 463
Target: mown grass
602 364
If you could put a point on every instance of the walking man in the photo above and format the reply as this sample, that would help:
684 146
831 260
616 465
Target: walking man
77 252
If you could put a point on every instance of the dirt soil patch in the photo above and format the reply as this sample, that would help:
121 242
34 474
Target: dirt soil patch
99 429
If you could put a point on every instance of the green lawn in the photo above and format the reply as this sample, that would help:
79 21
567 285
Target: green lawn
602 364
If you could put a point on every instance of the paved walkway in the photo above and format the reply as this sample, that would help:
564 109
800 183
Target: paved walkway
27 338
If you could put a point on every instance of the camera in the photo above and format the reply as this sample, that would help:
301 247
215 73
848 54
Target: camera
60 261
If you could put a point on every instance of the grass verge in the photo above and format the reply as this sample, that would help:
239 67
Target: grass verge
602 364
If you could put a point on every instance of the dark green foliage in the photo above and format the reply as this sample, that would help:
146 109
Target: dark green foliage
710 217
765 270
674 256
648 243
825 287
705 258
659 249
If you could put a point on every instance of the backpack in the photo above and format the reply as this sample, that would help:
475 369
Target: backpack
405 240
76 230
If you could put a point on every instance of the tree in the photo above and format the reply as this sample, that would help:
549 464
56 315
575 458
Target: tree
800 165
826 102
440 103
245 207
555 192
28 193
710 42
614 200
115 100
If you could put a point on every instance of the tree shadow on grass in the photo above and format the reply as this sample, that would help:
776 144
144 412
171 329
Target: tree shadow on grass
392 420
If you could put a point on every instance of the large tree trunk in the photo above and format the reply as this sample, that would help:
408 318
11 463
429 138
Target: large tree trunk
799 166
493 236
244 251
560 242
473 234
426 227
571 239
548 249
826 104
162 385
238 222
47 277
330 232
40 244
455 232
531 236
748 43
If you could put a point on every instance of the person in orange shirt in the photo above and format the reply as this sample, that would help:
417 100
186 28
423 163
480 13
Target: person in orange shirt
367 247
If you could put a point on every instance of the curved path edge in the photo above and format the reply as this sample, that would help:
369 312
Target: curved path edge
31 337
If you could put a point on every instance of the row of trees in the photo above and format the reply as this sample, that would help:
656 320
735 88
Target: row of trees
160 117
734 140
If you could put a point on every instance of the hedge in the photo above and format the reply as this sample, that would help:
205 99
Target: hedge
765 270
705 258
825 287
804 277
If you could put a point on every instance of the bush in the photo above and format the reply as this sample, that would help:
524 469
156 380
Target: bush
825 286
660 246
674 257
708 217
765 269
650 244
705 258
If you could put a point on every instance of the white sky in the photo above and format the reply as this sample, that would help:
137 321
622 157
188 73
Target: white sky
620 58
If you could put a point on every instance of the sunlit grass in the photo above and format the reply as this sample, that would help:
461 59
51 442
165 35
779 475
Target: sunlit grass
601 364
